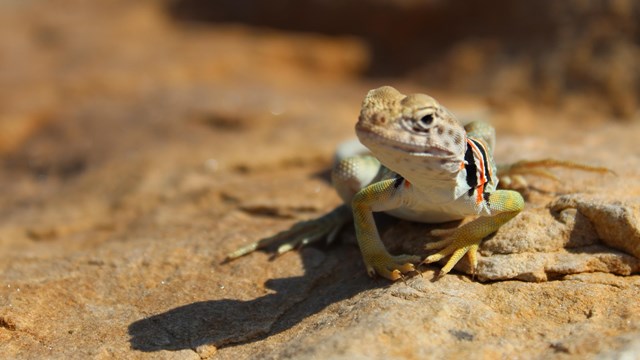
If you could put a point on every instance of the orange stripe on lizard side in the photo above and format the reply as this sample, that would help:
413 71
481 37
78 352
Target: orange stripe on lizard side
479 193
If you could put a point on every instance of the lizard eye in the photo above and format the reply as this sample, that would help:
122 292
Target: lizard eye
426 120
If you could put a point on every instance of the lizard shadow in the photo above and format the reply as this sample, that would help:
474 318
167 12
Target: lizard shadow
327 279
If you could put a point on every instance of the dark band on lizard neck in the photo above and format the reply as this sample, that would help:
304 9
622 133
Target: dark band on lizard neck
471 168
398 181
485 161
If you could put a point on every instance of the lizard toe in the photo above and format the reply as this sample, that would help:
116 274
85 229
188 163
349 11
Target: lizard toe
392 267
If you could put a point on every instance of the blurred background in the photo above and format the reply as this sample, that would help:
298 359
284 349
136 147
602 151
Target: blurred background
541 51
84 84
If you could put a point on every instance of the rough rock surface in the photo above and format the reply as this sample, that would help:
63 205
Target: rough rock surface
136 153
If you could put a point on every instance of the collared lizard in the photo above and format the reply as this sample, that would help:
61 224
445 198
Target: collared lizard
425 166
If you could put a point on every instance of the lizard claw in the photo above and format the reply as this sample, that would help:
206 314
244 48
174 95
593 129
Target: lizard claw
457 245
300 234
391 267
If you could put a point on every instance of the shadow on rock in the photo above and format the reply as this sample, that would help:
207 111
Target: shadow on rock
228 321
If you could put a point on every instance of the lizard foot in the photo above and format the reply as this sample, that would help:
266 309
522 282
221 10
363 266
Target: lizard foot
389 266
511 175
301 234
457 244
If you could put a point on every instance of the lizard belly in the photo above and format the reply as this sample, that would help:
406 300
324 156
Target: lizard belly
433 207
431 213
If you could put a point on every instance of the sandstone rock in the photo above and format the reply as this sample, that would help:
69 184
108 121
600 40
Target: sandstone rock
535 245
616 222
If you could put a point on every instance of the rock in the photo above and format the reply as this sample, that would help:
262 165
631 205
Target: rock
563 239
617 223
548 266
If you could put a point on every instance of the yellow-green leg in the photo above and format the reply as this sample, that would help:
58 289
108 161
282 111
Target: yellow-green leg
301 233
379 196
504 205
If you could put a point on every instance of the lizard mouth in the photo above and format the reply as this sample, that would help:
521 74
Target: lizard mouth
374 140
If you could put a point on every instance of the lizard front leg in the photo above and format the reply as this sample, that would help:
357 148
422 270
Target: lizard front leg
379 196
504 205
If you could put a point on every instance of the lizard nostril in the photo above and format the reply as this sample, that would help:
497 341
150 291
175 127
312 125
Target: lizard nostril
427 119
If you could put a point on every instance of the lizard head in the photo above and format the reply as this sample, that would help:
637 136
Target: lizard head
411 133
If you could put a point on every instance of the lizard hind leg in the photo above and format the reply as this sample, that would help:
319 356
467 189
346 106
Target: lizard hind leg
349 175
301 233
511 175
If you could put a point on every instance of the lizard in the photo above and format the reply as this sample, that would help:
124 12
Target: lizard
423 165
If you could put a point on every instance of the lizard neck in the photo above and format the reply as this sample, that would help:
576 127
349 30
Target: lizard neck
442 179
441 188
